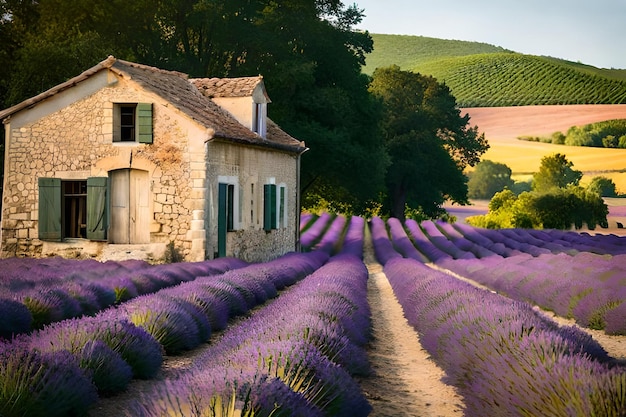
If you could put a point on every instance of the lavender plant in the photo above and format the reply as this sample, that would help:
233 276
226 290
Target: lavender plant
280 361
312 234
42 384
353 240
16 318
423 244
383 248
503 356
401 241
331 240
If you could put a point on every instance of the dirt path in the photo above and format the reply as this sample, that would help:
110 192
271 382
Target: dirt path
405 381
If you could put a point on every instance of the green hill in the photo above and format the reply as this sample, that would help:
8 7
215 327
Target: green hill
481 75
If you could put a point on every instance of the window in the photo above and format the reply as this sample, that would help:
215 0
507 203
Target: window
229 199
260 119
74 206
274 206
72 209
282 206
269 207
132 122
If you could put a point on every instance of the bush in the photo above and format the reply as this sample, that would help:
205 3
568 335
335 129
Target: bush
603 186
558 208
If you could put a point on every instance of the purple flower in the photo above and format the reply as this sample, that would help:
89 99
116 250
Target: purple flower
42 384
16 318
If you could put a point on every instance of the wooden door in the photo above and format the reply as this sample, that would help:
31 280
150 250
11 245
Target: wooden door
130 206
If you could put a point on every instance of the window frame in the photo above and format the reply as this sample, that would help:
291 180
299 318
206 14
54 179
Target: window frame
52 211
141 126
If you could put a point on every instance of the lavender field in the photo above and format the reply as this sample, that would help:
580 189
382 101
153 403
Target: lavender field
290 337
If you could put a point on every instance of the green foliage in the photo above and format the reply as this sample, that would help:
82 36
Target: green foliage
511 79
556 208
555 171
429 144
607 134
557 201
487 179
409 51
484 75
603 186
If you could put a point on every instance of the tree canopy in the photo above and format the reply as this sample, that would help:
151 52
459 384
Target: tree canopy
428 142
307 51
488 178
555 171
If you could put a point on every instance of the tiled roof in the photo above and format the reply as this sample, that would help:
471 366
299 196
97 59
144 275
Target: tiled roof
227 87
176 88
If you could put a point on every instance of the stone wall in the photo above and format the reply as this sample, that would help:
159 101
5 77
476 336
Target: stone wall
252 168
74 142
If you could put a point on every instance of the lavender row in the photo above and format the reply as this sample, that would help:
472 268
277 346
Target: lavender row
383 248
293 357
505 358
586 287
17 274
537 242
182 317
104 352
330 241
313 233
352 243
91 289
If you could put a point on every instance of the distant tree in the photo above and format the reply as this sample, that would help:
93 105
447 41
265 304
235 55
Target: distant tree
429 143
487 179
519 187
555 171
603 186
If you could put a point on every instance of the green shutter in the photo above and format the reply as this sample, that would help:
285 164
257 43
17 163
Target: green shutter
97 208
144 122
50 209
269 207
221 219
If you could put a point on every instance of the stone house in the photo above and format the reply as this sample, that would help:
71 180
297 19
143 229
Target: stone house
128 160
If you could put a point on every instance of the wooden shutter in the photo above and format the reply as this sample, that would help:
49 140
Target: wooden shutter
97 212
269 207
221 219
50 209
144 122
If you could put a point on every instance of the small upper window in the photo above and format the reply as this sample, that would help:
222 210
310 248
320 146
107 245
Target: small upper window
260 119
132 122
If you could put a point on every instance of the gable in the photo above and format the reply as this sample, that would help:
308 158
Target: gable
172 86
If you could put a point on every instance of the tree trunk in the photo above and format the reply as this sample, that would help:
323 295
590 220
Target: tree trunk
398 202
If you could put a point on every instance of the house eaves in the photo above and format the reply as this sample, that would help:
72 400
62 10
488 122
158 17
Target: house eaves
176 88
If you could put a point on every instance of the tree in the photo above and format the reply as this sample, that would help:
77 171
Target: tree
429 144
487 179
307 51
555 172
603 186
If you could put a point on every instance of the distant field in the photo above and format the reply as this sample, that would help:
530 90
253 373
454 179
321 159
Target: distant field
483 75
502 126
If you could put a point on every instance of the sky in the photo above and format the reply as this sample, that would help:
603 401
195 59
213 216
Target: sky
589 31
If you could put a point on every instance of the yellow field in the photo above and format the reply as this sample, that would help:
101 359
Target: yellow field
502 126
